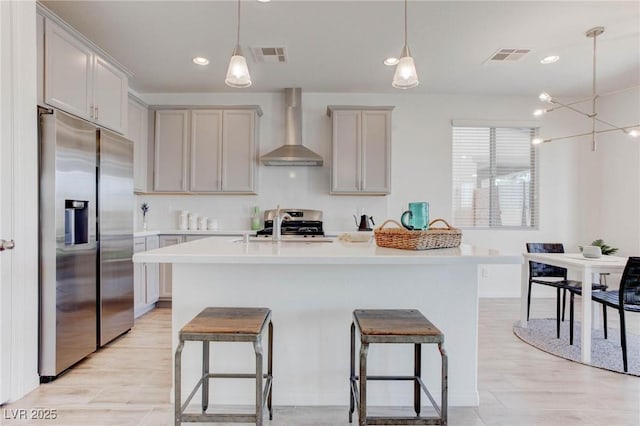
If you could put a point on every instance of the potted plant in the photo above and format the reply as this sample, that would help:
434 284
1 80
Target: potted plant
604 248
145 209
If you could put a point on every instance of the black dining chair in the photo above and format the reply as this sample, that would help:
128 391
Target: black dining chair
538 271
626 298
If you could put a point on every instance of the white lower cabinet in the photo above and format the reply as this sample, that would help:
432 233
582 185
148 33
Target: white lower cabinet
153 273
165 268
145 277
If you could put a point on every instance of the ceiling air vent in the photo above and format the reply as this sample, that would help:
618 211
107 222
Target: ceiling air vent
269 55
508 55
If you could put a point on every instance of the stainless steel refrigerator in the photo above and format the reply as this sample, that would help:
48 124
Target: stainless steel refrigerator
86 239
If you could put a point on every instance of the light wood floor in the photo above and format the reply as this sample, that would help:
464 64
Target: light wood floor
128 383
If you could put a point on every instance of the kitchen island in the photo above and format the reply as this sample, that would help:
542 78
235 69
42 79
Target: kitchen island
312 290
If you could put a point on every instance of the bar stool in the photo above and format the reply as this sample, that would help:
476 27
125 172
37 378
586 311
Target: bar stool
395 326
226 325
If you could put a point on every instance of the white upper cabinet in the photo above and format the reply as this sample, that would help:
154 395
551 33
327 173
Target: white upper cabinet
68 67
360 150
137 131
221 145
206 150
171 142
81 82
239 151
110 88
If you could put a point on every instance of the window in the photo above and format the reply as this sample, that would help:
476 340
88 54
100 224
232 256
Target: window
494 177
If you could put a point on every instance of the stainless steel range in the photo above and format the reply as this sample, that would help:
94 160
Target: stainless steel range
302 222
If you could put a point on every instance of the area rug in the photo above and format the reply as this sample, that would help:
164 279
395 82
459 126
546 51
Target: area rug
606 354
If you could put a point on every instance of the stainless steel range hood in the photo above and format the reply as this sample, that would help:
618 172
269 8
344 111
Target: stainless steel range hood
292 153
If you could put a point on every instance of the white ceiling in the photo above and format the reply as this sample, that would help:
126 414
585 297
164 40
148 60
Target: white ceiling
338 46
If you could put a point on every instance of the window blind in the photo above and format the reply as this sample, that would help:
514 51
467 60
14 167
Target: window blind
494 177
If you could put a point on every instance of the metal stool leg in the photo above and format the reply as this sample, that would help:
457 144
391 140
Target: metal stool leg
445 384
205 375
417 372
362 412
257 346
270 370
177 384
352 375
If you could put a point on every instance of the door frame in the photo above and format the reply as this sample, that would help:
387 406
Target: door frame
19 151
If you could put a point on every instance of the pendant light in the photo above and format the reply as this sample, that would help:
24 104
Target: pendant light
406 75
238 72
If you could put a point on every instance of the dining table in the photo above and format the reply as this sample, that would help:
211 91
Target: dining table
586 268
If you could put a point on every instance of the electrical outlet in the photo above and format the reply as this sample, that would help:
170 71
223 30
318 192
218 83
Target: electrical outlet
484 272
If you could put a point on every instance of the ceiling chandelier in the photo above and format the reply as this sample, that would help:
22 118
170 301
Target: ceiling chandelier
238 71
632 131
406 75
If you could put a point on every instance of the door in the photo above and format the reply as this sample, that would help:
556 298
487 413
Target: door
68 244
18 198
6 223
115 218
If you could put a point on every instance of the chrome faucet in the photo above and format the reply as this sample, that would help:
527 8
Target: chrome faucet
277 224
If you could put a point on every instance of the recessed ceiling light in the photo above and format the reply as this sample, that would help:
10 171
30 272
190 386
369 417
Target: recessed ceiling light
200 61
550 59
391 61
264 1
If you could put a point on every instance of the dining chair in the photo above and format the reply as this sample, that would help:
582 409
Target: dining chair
626 298
554 276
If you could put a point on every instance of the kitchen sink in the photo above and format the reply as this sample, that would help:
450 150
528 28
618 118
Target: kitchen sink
289 239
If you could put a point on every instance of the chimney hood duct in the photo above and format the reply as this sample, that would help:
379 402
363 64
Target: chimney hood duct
292 153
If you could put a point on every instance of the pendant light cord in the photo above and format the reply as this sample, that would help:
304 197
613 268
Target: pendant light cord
238 36
405 23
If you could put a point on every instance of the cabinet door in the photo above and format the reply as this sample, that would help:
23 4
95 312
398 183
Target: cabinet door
238 151
153 273
171 137
206 150
345 149
68 73
139 277
195 237
165 268
137 132
376 152
109 96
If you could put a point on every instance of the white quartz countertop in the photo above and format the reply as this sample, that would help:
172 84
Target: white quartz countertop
211 232
217 232
232 250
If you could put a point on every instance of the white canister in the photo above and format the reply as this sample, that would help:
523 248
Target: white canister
213 224
202 223
193 222
183 220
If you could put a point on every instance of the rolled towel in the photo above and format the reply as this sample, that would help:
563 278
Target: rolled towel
356 237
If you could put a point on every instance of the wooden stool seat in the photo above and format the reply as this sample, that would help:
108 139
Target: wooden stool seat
228 321
394 322
395 326
226 325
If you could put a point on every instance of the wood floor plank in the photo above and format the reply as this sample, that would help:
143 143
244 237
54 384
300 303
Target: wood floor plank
129 382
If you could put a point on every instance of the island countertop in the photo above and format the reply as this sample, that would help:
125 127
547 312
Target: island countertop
232 250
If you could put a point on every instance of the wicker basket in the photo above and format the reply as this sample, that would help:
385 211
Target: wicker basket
432 238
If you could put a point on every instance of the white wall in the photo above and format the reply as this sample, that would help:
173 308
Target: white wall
421 168
610 194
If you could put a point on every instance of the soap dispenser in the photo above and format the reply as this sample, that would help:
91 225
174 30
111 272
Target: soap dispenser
255 219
